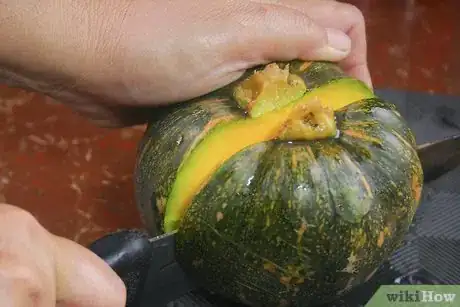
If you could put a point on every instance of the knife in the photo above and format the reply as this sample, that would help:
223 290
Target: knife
439 157
153 277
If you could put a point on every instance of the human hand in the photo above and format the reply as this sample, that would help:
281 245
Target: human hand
42 270
110 59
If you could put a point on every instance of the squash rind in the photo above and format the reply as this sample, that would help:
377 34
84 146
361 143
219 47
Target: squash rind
278 223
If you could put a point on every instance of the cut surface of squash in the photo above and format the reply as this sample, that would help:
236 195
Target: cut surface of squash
285 120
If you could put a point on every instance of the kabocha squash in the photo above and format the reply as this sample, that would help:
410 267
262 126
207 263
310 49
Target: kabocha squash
286 188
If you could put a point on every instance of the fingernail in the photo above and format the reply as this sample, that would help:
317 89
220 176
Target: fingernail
338 40
337 48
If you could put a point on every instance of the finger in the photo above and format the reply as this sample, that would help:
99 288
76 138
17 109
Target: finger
346 18
273 32
40 269
349 19
26 261
83 279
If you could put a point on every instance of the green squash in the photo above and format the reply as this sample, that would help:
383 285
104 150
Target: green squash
287 187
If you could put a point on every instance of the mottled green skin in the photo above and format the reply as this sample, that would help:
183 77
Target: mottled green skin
289 209
167 141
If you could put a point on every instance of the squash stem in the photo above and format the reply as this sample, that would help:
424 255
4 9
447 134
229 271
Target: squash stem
272 89
268 90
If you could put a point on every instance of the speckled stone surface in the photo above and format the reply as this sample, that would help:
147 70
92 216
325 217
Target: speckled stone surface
77 178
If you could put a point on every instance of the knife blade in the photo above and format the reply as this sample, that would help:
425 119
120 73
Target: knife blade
148 265
439 157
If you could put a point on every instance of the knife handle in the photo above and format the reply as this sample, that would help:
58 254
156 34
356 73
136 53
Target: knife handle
128 253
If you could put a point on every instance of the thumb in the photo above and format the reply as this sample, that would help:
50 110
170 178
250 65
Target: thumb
83 279
278 33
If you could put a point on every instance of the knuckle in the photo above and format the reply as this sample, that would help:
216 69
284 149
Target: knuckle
356 15
250 14
301 21
18 271
18 277
17 216
22 221
262 15
317 33
279 19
